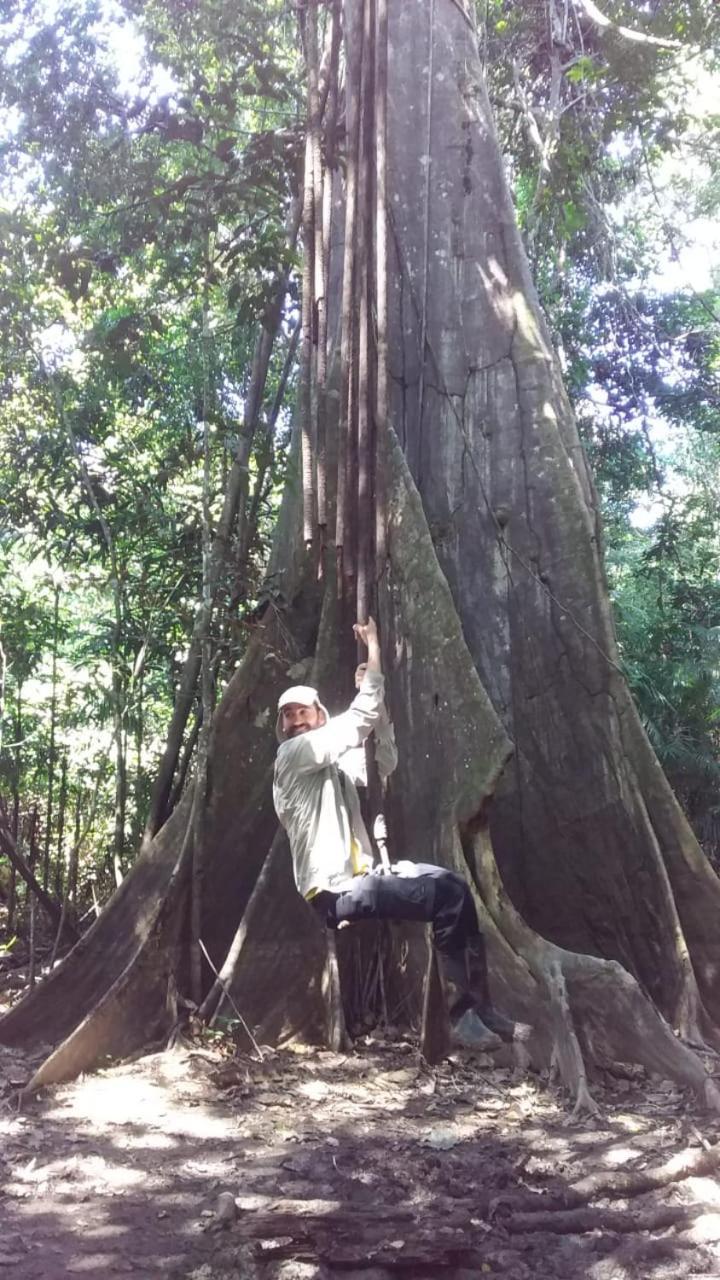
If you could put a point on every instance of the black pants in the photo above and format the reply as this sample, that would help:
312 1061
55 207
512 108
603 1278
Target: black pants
434 895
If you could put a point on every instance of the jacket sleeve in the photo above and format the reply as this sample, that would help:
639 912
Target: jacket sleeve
322 747
386 756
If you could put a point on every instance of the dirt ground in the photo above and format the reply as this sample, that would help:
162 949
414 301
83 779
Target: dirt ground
199 1165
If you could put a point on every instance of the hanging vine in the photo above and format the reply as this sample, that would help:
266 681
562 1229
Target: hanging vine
347 102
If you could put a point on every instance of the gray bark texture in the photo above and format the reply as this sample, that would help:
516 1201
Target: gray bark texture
591 843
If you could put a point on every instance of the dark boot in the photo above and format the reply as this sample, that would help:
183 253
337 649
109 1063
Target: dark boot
506 1028
468 1031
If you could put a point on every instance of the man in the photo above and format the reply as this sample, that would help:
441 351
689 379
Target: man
317 803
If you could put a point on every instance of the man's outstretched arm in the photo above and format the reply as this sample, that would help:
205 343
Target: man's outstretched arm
324 746
367 633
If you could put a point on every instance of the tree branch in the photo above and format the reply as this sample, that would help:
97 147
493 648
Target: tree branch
50 906
638 37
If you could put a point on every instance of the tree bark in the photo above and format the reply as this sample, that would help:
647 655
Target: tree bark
588 836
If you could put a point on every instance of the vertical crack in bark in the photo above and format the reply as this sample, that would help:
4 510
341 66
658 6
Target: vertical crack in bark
426 233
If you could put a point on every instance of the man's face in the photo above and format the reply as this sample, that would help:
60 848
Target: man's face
296 719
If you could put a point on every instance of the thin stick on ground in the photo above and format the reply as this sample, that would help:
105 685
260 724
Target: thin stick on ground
231 1002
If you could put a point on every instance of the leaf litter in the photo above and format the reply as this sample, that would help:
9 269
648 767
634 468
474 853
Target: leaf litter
201 1165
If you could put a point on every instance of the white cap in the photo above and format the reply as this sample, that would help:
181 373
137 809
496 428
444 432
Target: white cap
299 695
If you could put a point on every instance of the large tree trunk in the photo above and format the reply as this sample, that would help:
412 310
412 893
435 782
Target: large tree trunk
498 645
593 847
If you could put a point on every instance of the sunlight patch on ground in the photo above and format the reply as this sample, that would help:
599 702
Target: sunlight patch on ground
705 1191
631 1124
706 1230
316 1089
90 1170
11 1127
94 1264
620 1155
109 1102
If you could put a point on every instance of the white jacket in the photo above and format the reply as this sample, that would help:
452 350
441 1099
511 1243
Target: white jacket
316 800
354 762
